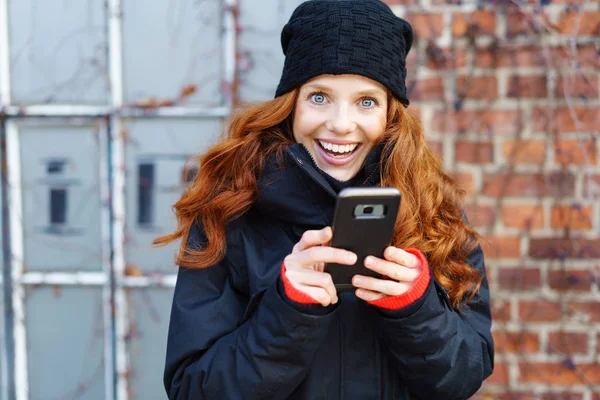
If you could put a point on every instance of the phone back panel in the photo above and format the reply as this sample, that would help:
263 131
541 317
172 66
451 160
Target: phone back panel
362 231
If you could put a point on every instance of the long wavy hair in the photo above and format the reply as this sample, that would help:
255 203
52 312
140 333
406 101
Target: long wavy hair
430 219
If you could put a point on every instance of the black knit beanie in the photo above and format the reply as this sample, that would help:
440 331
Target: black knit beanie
362 37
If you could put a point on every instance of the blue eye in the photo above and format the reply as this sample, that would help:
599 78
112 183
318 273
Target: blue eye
318 98
368 103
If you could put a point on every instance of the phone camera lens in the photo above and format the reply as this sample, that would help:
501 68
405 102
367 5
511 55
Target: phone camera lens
368 210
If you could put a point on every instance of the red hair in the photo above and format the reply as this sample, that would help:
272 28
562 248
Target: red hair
429 219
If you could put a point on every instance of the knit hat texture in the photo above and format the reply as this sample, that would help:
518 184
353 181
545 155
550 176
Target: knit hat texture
362 37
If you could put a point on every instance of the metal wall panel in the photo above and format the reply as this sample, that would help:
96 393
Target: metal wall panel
61 196
65 343
157 151
172 46
58 52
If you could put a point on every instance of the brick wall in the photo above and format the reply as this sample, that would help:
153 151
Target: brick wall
508 94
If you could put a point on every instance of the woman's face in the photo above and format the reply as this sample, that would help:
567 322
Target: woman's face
339 119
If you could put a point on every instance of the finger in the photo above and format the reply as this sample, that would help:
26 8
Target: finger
306 277
323 254
319 294
313 238
392 270
368 295
384 286
401 257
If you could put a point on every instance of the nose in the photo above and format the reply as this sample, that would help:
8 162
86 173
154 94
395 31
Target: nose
341 121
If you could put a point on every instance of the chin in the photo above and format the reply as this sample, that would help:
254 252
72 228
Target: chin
342 176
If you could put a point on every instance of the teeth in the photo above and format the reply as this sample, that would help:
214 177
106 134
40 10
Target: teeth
336 148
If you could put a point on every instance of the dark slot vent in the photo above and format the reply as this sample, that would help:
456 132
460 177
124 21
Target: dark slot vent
145 193
189 174
55 166
58 206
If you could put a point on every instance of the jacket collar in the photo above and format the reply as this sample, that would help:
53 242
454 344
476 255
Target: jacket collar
295 191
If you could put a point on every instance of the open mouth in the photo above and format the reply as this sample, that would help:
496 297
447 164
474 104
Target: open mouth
338 150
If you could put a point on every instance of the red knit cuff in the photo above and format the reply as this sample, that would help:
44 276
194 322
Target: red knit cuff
293 293
414 293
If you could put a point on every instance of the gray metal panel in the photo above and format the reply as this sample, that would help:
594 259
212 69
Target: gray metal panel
61 197
65 343
149 311
58 51
259 42
171 45
157 151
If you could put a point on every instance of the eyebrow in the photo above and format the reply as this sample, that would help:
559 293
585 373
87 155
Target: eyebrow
362 93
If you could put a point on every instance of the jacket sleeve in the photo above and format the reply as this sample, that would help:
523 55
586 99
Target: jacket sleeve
222 345
442 353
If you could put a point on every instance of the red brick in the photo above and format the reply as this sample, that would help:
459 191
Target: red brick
465 181
581 152
500 310
590 310
519 23
476 23
497 57
477 87
570 280
516 342
436 147
568 342
561 248
524 151
562 396
474 152
591 186
402 2
572 217
512 395
559 373
501 246
500 374
528 185
587 55
480 215
519 278
539 311
571 23
523 86
426 26
577 86
523 216
486 122
445 58
412 62
430 89
549 120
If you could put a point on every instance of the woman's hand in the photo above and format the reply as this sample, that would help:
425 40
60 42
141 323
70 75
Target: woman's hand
305 265
400 267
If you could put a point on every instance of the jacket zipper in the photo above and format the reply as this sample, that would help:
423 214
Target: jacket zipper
310 171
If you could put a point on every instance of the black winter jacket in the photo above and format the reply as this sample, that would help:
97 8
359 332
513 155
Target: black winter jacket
234 334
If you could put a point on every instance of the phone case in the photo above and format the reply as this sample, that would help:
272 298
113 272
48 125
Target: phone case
362 230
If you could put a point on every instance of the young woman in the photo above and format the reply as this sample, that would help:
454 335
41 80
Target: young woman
255 314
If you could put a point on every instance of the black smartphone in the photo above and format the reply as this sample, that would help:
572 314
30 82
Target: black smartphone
363 222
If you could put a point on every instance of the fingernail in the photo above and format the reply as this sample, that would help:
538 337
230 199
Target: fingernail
368 261
351 257
357 281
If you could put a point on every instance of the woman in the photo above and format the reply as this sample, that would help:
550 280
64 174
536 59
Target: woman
255 315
